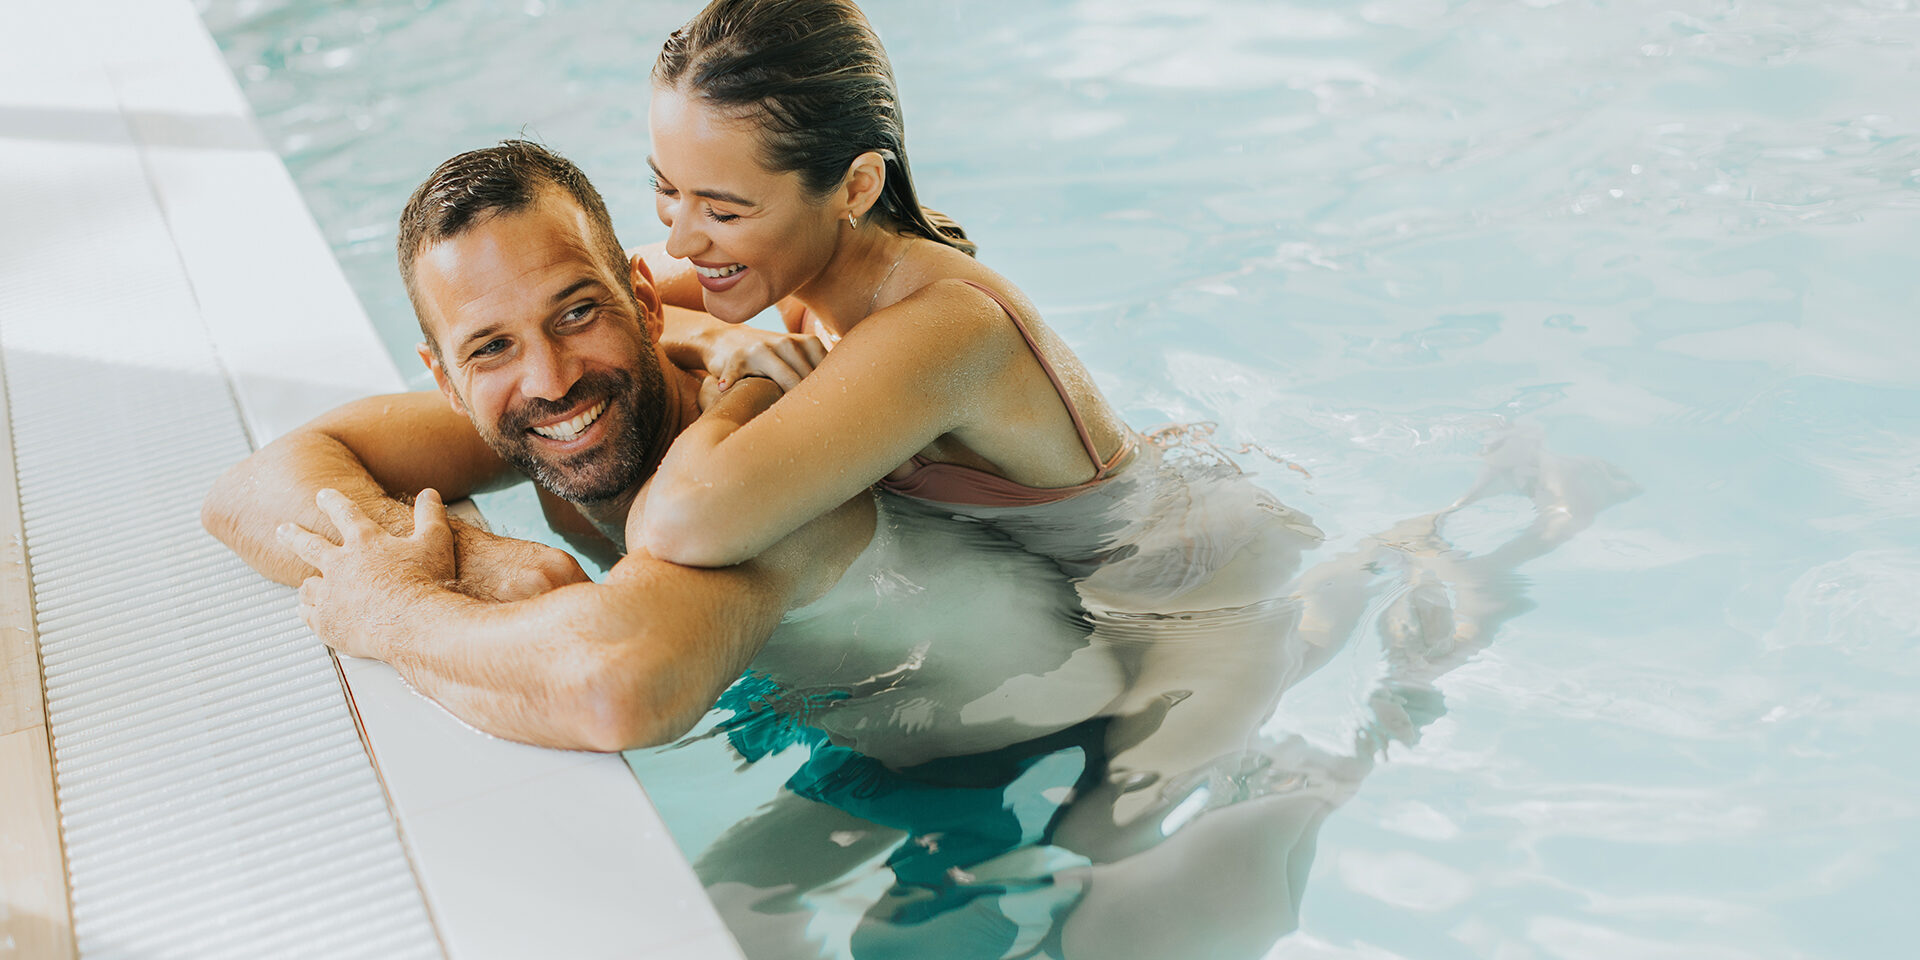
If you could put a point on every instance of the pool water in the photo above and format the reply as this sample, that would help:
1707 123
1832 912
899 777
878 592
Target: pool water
1578 335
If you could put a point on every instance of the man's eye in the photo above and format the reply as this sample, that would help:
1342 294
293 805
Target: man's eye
489 348
578 314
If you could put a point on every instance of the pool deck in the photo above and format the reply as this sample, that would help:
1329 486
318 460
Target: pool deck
519 851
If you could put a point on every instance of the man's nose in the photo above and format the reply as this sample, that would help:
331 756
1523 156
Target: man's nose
548 372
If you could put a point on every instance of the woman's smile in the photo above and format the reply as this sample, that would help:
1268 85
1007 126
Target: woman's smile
718 279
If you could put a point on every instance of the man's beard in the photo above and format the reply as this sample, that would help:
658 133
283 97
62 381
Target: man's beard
614 466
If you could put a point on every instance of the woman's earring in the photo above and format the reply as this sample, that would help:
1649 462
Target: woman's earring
851 223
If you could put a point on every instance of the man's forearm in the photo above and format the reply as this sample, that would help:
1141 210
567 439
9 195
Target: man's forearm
633 662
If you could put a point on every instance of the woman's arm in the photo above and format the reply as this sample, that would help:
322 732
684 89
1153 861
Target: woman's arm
729 488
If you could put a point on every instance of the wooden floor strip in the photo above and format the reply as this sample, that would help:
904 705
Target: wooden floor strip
36 922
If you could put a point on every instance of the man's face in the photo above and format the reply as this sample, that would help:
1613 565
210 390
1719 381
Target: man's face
544 350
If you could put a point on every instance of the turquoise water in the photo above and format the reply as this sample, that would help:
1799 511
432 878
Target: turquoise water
1642 265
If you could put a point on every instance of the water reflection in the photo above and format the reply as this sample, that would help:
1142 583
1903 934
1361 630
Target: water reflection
1022 733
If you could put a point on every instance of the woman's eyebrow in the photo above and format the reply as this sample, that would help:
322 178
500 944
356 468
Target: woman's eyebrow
720 195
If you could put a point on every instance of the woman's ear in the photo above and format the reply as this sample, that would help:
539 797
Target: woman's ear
653 315
866 181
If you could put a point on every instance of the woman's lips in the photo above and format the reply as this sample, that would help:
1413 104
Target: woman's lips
716 284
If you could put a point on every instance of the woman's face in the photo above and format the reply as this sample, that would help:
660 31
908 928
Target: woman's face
753 235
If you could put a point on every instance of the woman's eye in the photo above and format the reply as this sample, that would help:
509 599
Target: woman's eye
660 188
719 217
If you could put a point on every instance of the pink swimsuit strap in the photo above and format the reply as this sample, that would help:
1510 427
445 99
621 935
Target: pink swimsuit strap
960 484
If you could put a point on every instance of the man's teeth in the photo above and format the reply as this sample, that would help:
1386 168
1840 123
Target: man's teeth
572 428
715 273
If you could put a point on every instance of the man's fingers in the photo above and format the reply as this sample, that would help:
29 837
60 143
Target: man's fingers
315 549
346 515
312 592
430 517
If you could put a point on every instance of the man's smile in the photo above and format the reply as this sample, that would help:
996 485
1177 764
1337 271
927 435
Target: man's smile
571 429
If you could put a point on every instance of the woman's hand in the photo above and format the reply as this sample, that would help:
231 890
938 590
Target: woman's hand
359 604
695 339
737 350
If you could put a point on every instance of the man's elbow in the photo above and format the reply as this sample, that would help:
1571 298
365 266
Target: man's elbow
623 705
218 513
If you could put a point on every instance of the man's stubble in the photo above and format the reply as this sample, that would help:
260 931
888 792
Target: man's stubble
636 399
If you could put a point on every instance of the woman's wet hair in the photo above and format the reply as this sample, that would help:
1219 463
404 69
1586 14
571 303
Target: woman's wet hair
813 76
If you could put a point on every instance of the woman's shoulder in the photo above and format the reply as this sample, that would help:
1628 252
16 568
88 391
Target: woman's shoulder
959 317
961 286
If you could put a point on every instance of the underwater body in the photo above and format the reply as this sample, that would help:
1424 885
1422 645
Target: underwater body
1018 732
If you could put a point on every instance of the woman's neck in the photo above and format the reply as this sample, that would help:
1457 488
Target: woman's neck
857 280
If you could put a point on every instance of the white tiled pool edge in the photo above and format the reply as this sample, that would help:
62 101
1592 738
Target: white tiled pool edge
519 851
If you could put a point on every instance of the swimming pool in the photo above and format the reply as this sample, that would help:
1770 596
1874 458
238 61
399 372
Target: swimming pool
1665 243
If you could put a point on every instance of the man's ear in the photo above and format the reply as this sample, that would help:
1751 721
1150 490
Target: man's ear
866 180
653 313
440 377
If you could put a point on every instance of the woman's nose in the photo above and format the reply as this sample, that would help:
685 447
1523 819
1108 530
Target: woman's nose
683 238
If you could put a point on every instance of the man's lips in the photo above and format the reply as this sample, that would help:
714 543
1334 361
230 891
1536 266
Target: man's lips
574 427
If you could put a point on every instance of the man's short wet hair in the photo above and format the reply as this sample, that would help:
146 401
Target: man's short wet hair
480 184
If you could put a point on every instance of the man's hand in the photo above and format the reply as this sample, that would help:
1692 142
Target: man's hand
503 569
359 602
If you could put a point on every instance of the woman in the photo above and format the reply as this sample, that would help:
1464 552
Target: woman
781 171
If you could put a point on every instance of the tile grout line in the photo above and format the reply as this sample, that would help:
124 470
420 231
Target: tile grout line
386 797
142 150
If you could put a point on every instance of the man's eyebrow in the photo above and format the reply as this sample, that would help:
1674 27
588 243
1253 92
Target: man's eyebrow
481 334
720 195
564 295
573 288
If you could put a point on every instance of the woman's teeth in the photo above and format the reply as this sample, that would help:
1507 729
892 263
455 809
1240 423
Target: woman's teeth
572 428
715 273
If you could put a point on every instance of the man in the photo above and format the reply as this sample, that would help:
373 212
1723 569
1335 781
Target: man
543 342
